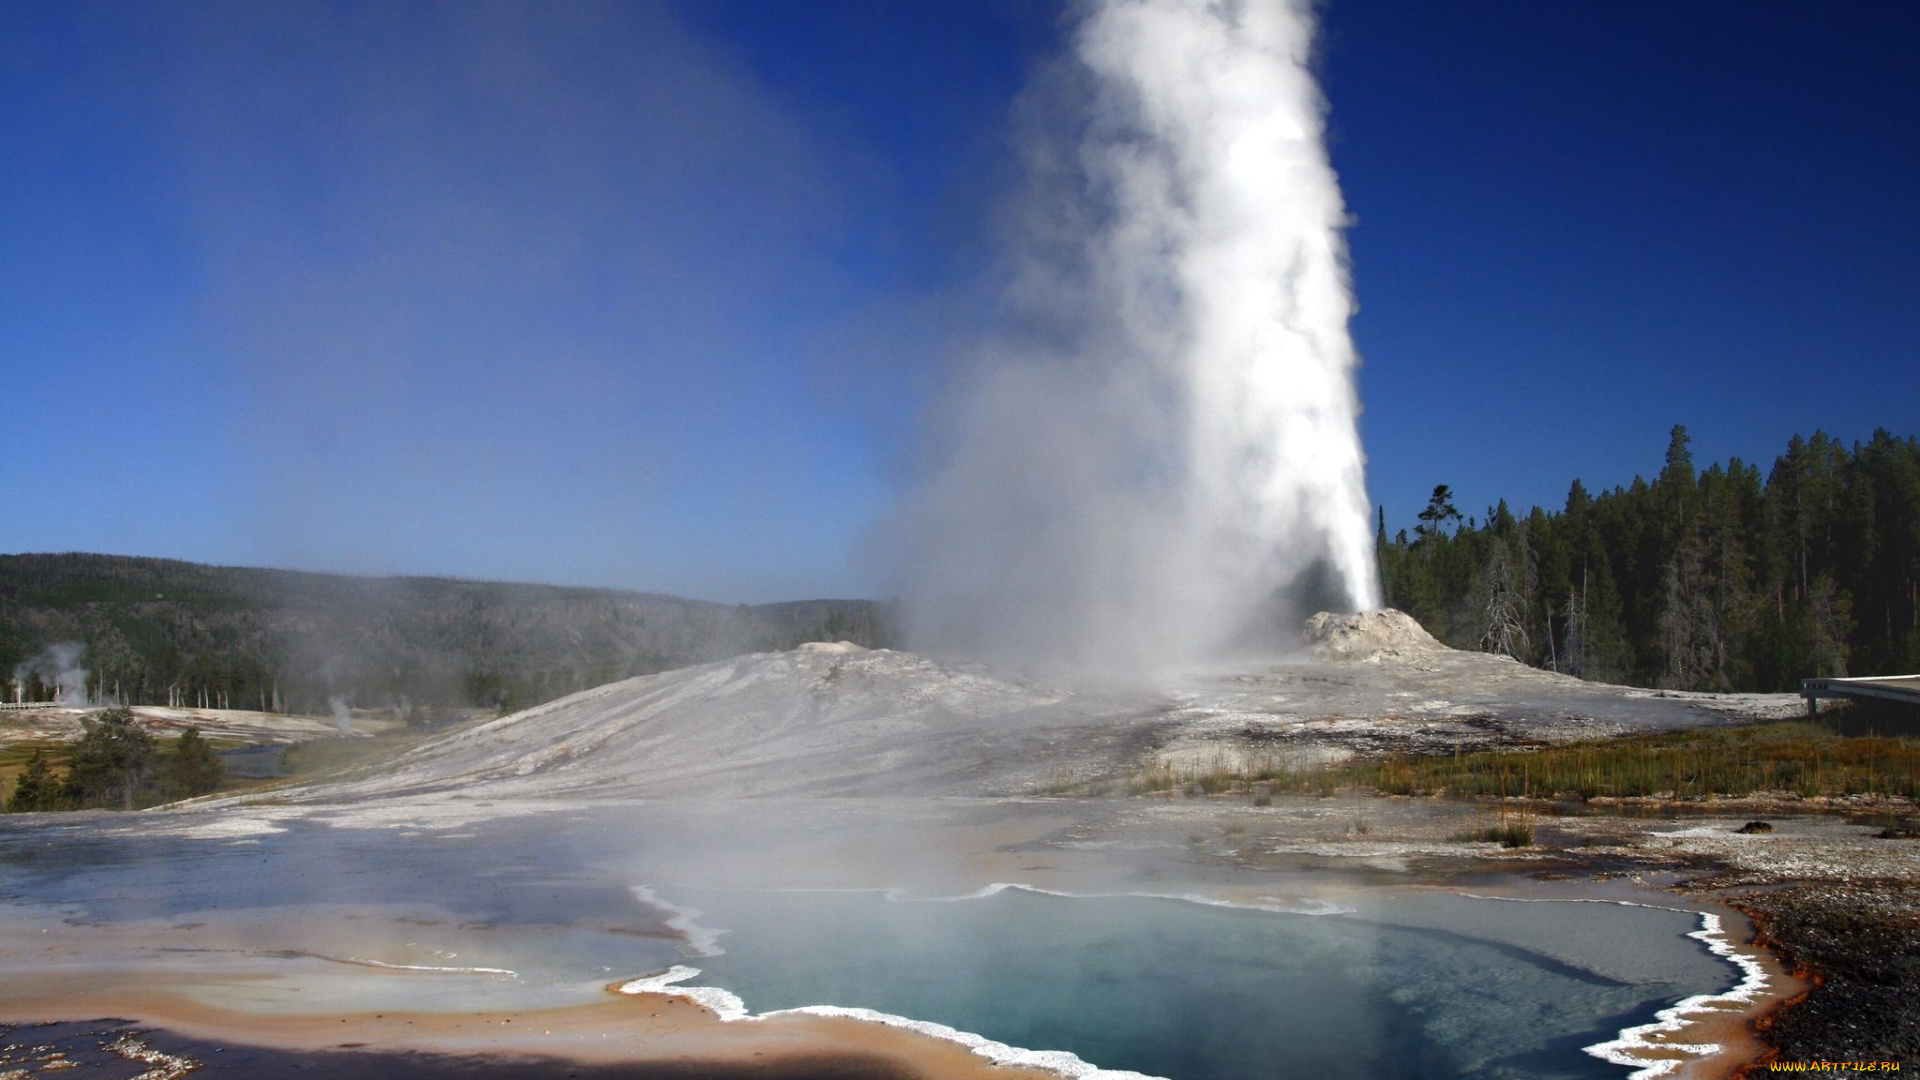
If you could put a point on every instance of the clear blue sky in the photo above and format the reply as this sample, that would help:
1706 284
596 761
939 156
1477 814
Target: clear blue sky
648 296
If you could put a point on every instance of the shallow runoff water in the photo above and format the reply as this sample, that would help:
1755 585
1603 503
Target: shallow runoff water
1421 984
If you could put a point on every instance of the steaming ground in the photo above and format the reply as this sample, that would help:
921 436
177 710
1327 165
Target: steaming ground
838 720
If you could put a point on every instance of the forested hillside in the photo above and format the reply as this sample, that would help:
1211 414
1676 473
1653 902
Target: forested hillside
1714 580
157 632
1722 579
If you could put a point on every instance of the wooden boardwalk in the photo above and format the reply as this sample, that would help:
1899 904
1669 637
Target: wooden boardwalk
1902 688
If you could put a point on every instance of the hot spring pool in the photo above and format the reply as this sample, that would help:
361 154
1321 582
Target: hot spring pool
1419 984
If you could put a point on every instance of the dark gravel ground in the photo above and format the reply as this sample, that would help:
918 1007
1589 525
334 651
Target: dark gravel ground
118 1050
1860 942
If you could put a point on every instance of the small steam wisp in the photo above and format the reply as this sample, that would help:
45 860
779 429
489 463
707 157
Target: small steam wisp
1159 460
342 712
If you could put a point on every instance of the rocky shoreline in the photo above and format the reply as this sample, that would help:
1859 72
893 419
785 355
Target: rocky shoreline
1859 944
1831 894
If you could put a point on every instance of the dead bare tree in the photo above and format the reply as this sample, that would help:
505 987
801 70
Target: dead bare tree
1503 606
1575 616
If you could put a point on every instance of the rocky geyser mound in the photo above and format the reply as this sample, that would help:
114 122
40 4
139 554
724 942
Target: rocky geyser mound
1369 636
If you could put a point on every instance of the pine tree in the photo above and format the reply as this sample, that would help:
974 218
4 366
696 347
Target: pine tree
1825 621
112 762
1688 626
192 769
1676 487
36 789
1439 514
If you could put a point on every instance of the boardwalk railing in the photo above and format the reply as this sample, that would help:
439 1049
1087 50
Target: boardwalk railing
1904 688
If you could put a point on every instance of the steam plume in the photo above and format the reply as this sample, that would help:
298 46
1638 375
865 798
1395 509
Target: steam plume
58 668
1159 456
342 713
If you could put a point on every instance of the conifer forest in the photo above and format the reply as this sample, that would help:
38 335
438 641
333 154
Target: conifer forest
1727 578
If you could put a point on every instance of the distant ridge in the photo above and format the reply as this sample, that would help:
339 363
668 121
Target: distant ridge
161 630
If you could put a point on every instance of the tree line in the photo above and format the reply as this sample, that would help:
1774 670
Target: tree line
118 766
141 631
1722 579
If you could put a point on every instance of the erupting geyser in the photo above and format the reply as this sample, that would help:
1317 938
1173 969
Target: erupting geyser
1158 455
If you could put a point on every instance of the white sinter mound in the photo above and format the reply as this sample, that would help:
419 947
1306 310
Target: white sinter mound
1370 636
834 719
824 719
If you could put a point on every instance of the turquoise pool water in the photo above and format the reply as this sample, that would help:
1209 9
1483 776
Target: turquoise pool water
1425 984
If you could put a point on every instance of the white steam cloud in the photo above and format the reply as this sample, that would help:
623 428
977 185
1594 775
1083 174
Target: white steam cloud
1157 460
58 669
342 713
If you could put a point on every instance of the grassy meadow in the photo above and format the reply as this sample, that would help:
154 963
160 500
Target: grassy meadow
1809 759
